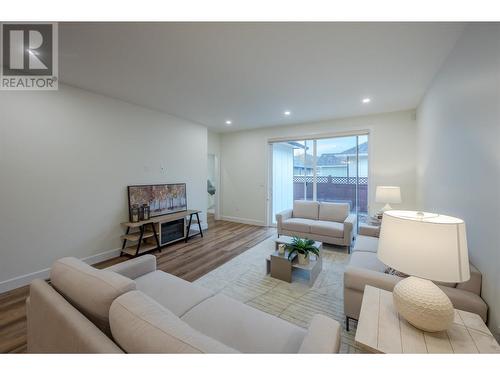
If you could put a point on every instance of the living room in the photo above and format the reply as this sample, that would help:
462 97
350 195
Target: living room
250 187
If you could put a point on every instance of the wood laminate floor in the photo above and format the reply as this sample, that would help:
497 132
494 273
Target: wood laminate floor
221 242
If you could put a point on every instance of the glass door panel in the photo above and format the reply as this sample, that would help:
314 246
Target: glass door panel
303 169
362 182
336 170
342 172
282 178
326 170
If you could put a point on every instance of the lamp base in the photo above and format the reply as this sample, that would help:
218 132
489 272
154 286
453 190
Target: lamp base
387 207
380 212
423 304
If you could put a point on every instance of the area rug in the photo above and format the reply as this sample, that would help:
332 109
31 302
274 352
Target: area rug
244 278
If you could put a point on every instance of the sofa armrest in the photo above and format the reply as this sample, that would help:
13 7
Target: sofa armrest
56 326
136 267
323 336
357 278
281 216
349 225
369 230
472 285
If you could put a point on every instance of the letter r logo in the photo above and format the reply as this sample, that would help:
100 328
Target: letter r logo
27 49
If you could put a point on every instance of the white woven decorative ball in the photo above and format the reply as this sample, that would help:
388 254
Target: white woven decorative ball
423 304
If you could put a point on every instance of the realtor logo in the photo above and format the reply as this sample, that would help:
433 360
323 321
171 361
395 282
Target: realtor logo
29 56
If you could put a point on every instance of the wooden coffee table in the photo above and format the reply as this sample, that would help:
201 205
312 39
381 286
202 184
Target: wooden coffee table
281 268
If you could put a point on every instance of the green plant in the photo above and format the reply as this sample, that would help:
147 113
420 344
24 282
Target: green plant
301 246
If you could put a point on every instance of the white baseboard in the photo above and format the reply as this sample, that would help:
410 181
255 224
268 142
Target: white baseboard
23 280
19 281
101 257
244 220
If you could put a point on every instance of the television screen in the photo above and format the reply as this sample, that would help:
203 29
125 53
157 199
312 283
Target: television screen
162 199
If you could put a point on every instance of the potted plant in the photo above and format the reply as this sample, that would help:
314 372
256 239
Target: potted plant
301 247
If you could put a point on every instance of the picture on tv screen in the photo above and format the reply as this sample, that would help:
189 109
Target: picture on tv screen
162 199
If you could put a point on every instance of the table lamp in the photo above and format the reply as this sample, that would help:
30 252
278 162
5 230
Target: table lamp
427 247
387 195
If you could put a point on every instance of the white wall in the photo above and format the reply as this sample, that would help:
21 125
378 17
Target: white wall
213 143
66 158
245 160
459 158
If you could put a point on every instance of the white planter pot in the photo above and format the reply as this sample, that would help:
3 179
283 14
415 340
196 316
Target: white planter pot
303 259
281 249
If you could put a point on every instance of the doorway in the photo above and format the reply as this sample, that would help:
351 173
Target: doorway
212 187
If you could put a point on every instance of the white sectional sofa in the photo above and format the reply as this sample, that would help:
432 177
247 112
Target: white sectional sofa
134 308
319 221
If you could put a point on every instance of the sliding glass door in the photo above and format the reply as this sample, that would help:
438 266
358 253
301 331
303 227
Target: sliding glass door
325 169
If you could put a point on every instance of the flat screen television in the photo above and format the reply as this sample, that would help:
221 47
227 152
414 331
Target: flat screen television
162 199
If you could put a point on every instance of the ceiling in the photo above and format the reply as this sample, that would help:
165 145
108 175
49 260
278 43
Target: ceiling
251 73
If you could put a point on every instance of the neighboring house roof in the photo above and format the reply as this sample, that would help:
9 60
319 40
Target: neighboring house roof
363 149
298 161
330 160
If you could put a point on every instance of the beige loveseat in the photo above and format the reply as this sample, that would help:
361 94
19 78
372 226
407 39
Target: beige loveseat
325 222
132 307
366 269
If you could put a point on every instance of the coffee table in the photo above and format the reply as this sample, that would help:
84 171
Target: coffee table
281 268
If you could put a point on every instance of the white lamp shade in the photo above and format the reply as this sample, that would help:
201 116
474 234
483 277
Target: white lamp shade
430 246
388 194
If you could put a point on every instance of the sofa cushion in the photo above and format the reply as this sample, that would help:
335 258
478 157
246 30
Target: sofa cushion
141 325
306 209
328 228
367 260
298 225
244 328
333 211
366 243
171 292
88 289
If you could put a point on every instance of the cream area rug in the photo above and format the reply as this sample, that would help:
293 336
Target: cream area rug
244 278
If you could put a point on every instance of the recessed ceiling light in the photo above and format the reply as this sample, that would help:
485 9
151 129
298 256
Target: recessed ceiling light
366 100
287 113
229 123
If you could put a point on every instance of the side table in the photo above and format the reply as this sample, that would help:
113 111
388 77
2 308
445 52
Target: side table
382 330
